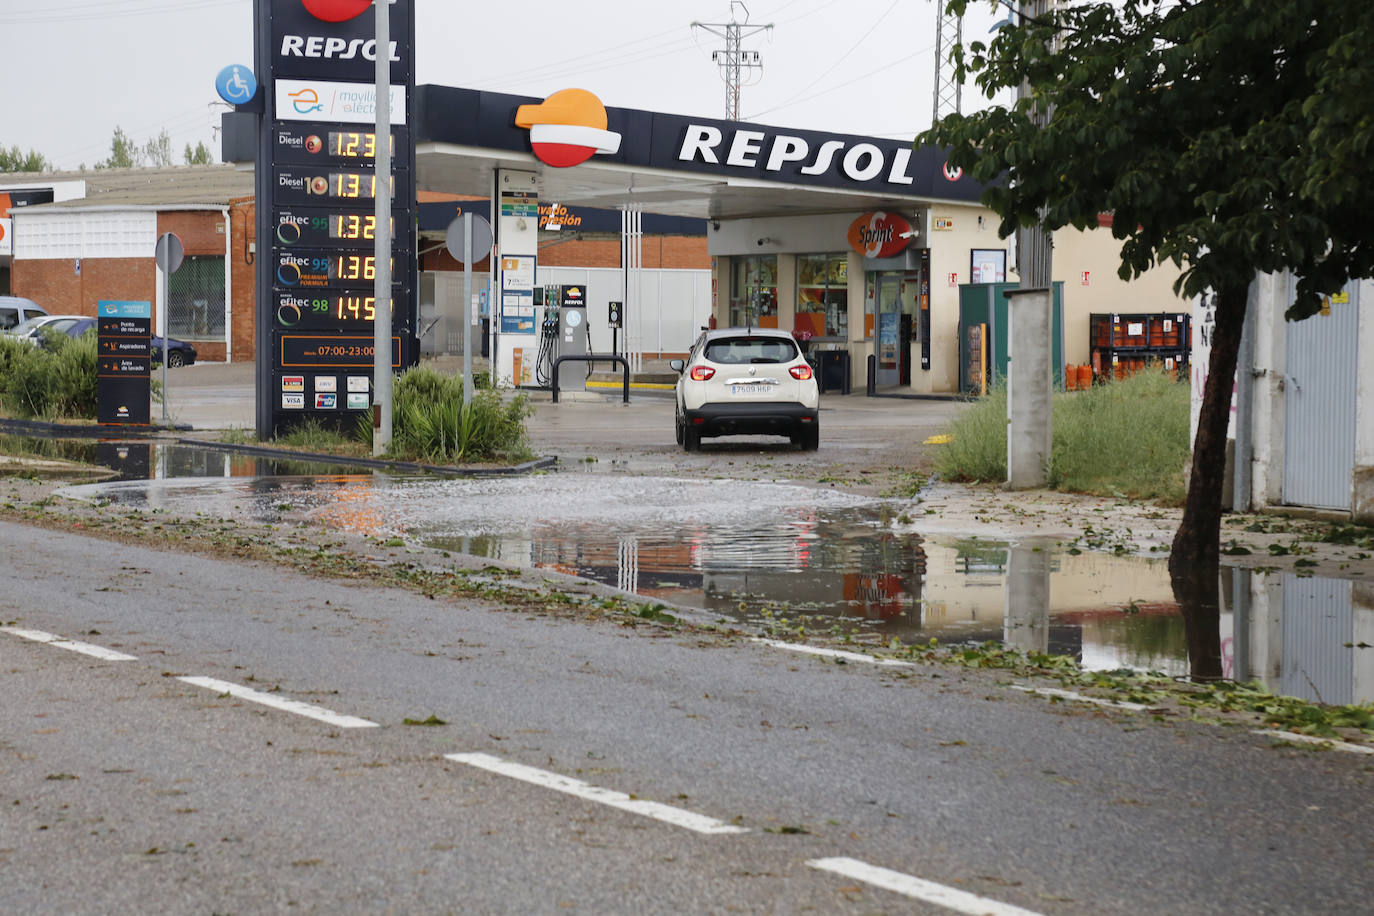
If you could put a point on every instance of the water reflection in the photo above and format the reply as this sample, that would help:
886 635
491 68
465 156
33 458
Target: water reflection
790 557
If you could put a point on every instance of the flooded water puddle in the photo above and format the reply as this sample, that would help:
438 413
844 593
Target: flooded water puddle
791 559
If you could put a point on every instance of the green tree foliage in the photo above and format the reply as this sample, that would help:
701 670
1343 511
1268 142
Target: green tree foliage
124 152
158 150
16 160
1227 136
199 156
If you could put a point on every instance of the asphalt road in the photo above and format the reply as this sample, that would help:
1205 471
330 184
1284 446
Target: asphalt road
780 780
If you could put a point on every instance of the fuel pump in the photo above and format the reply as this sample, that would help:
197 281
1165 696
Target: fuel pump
574 336
548 338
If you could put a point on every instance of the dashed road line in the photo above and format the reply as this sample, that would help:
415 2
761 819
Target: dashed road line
576 787
291 706
1313 739
1081 698
918 888
61 642
834 653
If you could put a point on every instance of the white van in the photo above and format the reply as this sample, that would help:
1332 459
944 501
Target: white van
15 310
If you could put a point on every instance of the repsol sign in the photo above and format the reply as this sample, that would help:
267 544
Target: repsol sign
324 40
801 157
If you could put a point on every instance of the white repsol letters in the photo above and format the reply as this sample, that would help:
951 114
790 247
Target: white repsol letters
744 148
899 175
872 169
824 156
332 48
786 149
700 141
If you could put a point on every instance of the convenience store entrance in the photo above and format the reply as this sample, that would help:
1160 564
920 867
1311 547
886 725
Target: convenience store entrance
894 323
888 337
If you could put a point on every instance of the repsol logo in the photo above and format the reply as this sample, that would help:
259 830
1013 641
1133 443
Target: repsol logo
315 46
746 149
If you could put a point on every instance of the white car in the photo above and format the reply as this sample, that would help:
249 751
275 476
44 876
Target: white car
744 382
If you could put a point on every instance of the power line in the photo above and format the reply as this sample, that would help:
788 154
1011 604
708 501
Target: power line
832 67
88 11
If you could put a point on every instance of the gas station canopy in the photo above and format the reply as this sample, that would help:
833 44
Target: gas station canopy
670 164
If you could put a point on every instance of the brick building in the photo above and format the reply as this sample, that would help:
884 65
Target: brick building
95 236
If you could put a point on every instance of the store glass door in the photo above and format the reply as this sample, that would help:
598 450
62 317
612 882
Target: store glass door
887 334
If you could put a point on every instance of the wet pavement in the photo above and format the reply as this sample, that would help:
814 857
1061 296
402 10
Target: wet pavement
792 559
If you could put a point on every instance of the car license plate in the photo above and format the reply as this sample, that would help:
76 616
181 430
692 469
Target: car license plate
748 390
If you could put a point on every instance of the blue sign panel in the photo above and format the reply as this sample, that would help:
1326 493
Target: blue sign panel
236 84
113 308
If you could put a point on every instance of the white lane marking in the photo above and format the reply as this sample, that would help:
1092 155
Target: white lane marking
1312 739
576 787
1070 695
292 706
918 888
62 642
834 653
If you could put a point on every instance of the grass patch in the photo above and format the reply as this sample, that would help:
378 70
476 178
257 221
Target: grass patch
1127 438
319 437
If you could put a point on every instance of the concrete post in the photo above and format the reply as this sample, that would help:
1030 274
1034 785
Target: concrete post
1026 622
1362 484
1030 422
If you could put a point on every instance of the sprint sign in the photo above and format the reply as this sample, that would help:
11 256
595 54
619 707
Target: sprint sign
879 234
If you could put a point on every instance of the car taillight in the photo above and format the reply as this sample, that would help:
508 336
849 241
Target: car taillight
702 373
801 373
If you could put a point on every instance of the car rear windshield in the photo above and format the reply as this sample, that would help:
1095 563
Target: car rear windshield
741 350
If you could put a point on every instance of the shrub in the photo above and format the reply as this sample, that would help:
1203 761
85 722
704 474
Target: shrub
431 423
54 381
1124 438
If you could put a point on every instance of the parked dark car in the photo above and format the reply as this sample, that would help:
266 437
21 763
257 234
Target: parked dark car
179 352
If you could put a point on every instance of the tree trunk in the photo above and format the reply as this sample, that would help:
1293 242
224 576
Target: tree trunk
1194 562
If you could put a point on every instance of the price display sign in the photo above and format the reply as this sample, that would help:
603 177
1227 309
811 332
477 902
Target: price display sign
317 222
308 227
333 145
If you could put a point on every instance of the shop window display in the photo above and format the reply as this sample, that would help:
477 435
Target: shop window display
754 291
823 295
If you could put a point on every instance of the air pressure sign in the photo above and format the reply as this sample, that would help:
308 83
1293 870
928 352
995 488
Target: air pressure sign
317 188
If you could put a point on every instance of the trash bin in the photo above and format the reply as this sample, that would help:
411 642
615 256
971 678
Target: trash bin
833 374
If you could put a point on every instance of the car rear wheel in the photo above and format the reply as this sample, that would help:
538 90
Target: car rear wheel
175 359
678 425
691 438
810 438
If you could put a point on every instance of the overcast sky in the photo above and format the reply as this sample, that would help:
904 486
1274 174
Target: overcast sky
77 68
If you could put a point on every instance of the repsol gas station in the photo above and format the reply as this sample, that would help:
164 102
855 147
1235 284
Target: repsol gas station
859 245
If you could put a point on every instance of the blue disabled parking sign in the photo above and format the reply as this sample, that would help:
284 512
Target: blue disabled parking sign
236 84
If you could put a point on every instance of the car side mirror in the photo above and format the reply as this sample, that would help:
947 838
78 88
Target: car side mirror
677 365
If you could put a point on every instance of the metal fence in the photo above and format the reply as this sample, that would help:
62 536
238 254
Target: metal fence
195 298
